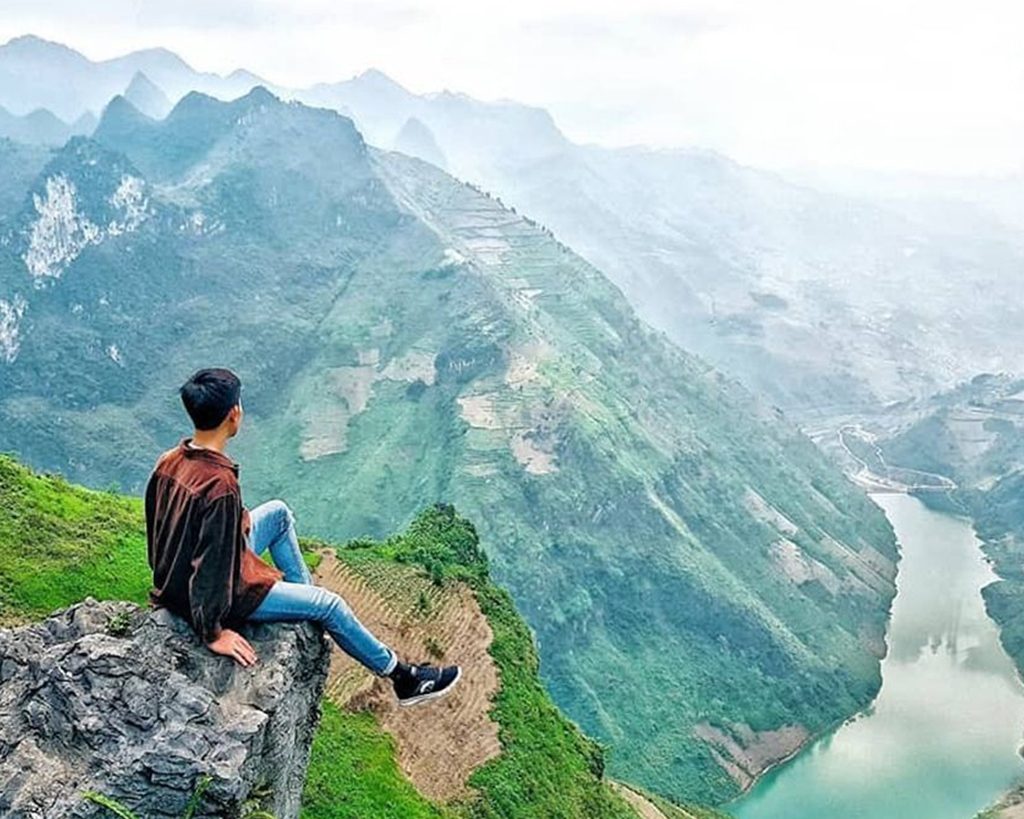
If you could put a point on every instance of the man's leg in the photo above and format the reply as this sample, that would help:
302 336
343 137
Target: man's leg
296 598
273 527
301 601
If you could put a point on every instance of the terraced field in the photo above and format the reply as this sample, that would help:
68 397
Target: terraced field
441 743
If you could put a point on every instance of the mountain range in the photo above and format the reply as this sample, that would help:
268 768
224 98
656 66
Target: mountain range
37 73
707 590
826 295
827 300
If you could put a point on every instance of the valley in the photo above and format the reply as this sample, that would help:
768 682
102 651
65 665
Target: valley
405 338
828 299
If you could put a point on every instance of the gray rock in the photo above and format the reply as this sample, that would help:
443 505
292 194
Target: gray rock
111 698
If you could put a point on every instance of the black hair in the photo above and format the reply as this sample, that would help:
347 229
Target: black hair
209 395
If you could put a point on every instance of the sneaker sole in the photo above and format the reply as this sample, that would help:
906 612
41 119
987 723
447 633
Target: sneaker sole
433 695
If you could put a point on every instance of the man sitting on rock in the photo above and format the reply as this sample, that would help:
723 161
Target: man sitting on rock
204 549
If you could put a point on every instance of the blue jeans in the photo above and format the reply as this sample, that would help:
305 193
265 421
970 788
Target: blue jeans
296 598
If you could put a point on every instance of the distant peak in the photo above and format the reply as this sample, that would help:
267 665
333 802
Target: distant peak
241 74
260 95
120 104
85 124
165 55
118 115
148 97
27 43
39 115
375 76
30 39
198 104
140 80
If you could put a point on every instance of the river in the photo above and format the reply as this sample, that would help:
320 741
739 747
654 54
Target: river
941 740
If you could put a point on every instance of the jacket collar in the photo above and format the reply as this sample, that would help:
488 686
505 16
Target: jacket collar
208 455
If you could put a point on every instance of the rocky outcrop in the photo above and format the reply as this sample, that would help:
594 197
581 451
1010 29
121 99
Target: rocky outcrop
127 703
746 754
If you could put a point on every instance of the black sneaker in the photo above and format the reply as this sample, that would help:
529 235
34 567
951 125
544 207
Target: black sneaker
425 682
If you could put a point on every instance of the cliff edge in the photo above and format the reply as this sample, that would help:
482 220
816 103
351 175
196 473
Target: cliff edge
111 699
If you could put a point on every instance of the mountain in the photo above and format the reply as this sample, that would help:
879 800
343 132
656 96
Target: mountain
60 543
146 97
415 140
707 590
826 301
20 165
36 73
40 127
828 295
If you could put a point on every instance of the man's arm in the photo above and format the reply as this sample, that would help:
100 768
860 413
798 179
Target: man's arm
150 507
212 583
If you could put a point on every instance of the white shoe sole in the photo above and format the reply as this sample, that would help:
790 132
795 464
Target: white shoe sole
433 695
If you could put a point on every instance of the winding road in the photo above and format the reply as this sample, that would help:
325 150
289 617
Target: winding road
885 483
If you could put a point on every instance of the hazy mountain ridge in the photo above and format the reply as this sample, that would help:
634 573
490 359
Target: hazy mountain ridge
36 73
146 97
405 339
822 301
827 301
41 127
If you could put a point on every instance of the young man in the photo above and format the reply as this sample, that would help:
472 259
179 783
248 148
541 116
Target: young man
204 549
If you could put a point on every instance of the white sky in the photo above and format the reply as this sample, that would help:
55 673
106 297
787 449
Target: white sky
935 86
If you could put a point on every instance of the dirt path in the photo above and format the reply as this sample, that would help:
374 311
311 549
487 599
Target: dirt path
642 805
644 808
440 743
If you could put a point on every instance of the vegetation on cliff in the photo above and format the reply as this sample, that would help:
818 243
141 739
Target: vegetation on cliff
60 542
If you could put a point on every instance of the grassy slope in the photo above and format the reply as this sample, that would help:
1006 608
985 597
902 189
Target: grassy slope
547 768
60 542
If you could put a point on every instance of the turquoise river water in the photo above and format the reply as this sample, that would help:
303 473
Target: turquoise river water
941 741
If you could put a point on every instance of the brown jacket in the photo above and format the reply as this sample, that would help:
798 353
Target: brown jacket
196 531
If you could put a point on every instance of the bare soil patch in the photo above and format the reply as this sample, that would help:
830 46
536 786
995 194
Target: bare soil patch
746 753
440 743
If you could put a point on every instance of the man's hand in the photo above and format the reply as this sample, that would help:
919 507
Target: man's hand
234 645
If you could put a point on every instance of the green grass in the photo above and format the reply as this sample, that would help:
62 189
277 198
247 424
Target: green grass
353 773
673 811
60 543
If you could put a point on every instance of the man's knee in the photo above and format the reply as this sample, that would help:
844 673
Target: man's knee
282 512
331 605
